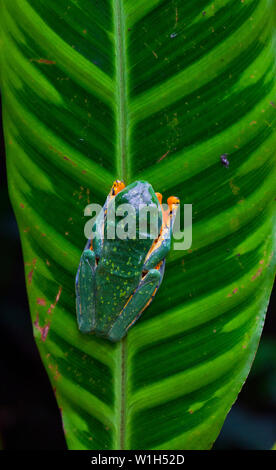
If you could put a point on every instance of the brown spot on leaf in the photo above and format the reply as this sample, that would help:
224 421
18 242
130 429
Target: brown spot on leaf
30 274
235 189
258 273
52 306
163 156
43 61
44 330
65 157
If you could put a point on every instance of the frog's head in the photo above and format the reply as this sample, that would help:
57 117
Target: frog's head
140 194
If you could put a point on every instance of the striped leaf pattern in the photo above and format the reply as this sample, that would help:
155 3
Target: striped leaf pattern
95 90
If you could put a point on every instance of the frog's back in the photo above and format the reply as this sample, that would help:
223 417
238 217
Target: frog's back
117 276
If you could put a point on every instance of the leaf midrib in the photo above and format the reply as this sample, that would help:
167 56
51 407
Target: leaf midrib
123 173
121 92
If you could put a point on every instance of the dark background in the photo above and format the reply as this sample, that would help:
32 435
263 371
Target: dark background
29 415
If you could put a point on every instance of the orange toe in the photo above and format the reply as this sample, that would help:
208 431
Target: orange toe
159 197
173 200
117 187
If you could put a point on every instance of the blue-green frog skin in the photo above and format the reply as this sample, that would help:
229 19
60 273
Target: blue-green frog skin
117 279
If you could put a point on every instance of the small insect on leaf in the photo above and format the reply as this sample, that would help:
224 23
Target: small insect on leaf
224 160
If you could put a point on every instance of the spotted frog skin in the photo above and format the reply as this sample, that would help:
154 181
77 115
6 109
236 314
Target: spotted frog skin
117 279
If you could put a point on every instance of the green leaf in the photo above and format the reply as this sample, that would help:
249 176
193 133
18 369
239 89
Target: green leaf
155 90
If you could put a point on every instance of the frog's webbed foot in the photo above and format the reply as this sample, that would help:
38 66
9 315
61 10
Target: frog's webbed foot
85 292
137 303
161 246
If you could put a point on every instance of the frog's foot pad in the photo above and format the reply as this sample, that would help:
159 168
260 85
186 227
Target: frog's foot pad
159 197
117 187
137 303
85 288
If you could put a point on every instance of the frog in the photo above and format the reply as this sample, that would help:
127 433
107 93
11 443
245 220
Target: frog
117 279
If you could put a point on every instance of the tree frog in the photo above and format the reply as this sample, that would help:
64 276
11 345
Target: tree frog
118 278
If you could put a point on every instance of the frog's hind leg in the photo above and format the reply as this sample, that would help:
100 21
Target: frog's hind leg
137 303
85 292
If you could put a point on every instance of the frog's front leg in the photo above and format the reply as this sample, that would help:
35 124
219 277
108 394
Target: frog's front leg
161 246
85 292
97 242
136 304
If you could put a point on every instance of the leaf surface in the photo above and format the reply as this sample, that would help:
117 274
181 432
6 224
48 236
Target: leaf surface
154 90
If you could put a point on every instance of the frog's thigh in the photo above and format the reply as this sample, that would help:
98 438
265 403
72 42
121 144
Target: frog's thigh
136 304
85 292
